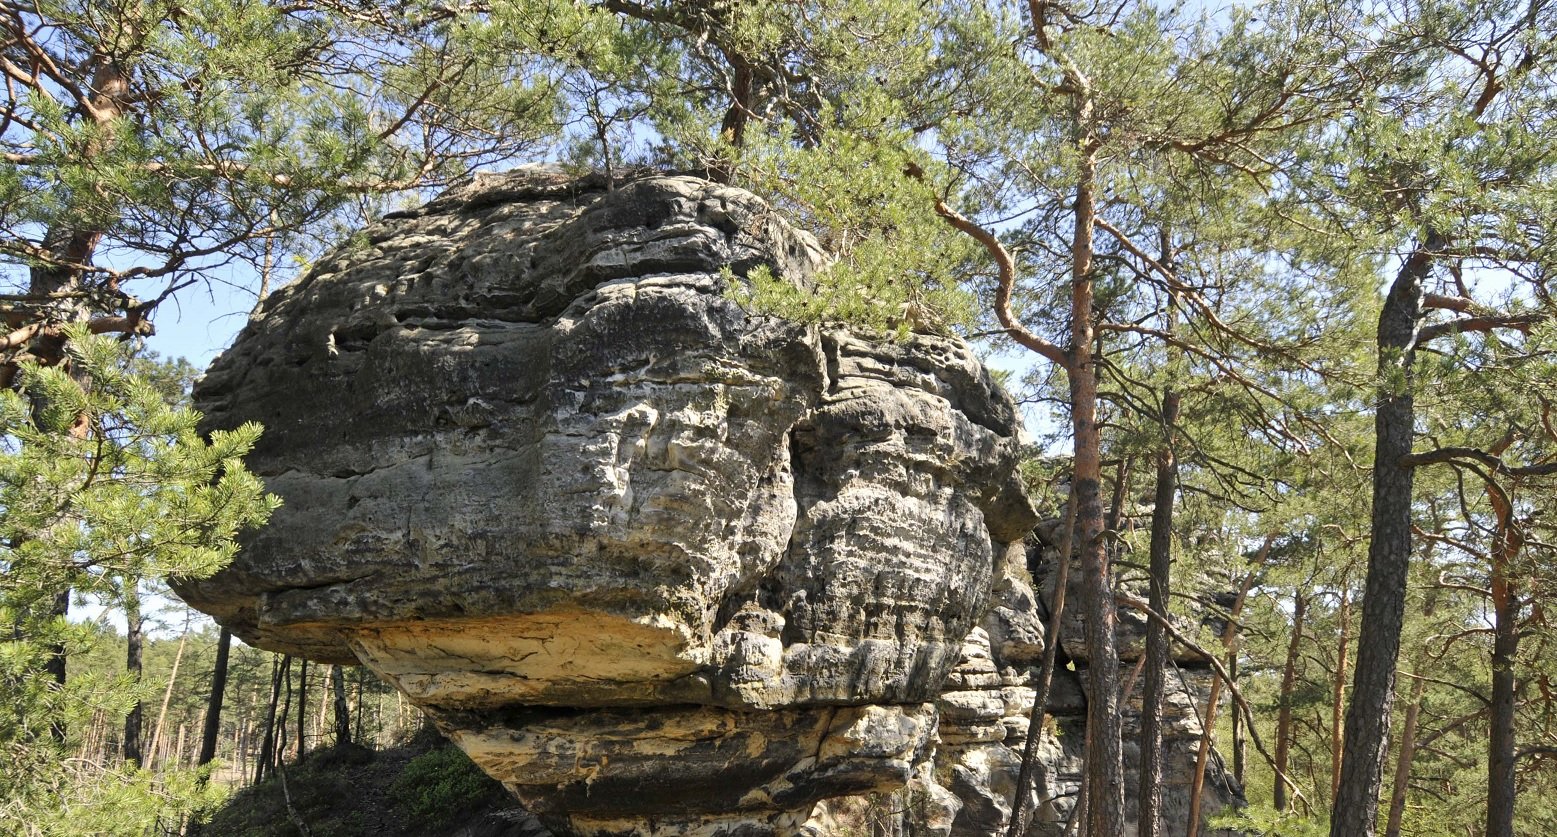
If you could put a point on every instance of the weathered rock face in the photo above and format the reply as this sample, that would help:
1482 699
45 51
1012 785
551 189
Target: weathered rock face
984 708
661 565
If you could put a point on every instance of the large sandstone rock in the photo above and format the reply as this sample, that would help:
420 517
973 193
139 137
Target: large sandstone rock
661 564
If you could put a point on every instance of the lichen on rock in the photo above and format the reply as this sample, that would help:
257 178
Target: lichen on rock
661 564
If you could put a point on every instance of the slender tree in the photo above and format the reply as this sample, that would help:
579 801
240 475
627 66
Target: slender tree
1156 655
342 712
135 624
213 712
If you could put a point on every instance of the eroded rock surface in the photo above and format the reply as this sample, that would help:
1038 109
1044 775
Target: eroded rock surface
984 707
660 564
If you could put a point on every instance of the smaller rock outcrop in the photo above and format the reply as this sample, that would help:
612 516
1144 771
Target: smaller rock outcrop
984 707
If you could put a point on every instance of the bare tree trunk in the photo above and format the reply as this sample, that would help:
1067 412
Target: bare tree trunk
342 715
1354 812
361 709
268 740
167 696
1105 763
286 708
1501 742
1284 715
241 743
213 710
1240 746
1116 507
1397 798
1208 732
302 707
325 704
1156 655
1045 668
1082 812
1338 690
55 667
134 623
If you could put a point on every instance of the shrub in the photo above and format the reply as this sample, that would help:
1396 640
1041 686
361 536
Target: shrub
442 781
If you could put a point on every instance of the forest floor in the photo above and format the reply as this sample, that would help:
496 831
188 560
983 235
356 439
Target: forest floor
426 788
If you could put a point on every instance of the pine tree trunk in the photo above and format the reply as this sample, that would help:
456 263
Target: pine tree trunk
1338 691
213 710
268 738
1051 647
1505 645
55 667
1116 507
1240 746
326 704
1208 732
71 246
302 707
132 666
1355 809
1156 654
1284 714
167 696
1397 798
240 746
1105 763
284 714
342 715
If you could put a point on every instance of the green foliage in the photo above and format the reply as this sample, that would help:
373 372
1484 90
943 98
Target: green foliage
427 787
101 479
89 800
244 129
441 781
897 265
1264 821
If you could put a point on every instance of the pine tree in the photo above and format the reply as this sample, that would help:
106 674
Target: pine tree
101 480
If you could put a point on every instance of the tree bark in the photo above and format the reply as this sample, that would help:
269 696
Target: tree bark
213 710
1156 657
1507 542
1116 507
167 696
286 708
1284 714
1105 763
1208 732
132 666
1051 647
268 739
1354 812
1338 691
55 667
342 715
1397 798
1240 746
361 710
302 706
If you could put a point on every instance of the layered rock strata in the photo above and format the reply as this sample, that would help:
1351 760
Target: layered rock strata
967 788
661 564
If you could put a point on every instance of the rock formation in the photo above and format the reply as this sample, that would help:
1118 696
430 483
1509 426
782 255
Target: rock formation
660 564
984 707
